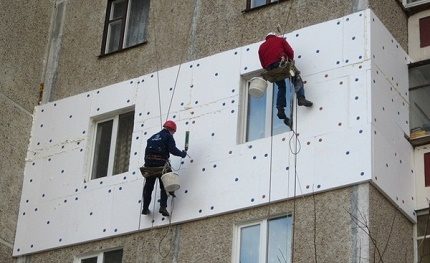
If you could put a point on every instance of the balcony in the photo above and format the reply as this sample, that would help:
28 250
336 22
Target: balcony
419 92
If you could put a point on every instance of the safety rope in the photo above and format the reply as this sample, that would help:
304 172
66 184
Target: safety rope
161 124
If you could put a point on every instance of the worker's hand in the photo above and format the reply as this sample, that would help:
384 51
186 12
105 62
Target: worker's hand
184 154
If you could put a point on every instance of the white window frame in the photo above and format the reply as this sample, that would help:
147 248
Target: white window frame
417 239
99 255
408 5
263 237
244 112
112 148
243 109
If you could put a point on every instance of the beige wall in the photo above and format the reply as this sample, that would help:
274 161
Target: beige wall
24 29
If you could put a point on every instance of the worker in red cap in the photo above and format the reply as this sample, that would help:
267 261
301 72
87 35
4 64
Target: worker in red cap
272 52
158 149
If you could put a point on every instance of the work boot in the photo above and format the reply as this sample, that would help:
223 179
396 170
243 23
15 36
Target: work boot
302 101
281 113
172 194
145 211
163 211
287 122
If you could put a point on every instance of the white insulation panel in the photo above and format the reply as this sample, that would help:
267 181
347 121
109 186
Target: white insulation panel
61 206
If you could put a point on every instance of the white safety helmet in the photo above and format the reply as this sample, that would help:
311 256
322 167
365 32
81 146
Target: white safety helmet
271 34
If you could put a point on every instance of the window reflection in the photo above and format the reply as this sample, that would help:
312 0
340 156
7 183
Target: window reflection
250 244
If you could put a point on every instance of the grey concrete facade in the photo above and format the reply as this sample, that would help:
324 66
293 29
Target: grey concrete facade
68 61
24 30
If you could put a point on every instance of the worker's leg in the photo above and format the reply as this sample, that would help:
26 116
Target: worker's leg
163 198
300 91
281 101
147 191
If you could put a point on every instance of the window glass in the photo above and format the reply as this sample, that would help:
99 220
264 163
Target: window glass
256 3
113 256
102 149
419 97
278 125
250 244
256 117
123 143
138 16
261 113
89 260
279 240
118 9
114 36
423 250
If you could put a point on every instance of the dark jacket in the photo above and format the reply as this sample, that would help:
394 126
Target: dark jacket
159 147
273 49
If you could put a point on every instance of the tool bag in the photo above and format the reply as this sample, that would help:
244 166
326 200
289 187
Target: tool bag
155 171
286 69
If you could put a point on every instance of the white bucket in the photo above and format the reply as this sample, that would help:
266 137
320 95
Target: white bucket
170 181
257 87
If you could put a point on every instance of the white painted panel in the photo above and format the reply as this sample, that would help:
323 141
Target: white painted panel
215 78
113 97
389 56
59 123
126 206
391 171
249 60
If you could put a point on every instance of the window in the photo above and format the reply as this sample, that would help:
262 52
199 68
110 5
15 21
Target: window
112 145
250 4
114 256
423 237
425 31
125 24
267 241
259 113
419 97
412 3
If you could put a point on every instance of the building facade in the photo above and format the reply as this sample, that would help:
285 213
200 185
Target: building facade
95 62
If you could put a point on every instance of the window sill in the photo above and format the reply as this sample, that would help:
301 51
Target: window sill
419 139
247 10
122 50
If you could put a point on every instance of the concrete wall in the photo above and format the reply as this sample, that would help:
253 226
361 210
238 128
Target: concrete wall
326 216
391 231
24 27
393 17
207 28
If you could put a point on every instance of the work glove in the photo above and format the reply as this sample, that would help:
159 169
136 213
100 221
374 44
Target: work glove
184 154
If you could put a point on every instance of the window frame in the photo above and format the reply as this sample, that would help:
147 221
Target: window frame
114 137
414 4
421 140
100 255
424 212
124 29
270 102
264 236
268 3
